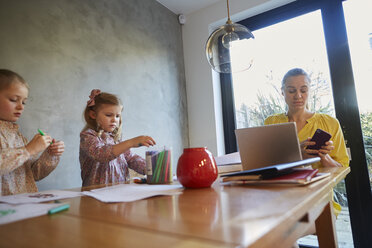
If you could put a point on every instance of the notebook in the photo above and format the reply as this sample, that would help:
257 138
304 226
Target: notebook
297 176
269 150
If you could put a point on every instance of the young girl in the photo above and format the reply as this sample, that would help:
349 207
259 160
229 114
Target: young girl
104 158
19 167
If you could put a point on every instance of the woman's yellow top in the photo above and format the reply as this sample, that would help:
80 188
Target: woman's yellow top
328 124
324 122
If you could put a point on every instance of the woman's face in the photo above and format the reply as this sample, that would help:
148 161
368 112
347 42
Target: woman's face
296 92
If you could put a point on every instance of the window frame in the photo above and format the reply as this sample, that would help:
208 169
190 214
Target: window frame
357 184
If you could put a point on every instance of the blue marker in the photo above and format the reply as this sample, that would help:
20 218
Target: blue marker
59 209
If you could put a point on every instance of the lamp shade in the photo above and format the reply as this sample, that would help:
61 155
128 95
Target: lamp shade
220 44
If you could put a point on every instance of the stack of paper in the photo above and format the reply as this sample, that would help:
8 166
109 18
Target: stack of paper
228 163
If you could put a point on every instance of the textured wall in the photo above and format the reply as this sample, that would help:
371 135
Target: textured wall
65 48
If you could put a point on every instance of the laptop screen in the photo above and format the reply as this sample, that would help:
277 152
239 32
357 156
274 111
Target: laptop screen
268 145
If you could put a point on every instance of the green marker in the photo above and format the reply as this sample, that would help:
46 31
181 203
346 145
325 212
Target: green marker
59 209
43 134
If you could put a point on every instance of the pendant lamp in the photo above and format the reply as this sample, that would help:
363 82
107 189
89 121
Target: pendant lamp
220 43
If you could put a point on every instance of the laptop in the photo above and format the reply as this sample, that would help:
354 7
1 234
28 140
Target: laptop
269 150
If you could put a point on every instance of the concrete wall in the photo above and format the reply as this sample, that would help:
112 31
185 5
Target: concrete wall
203 86
65 48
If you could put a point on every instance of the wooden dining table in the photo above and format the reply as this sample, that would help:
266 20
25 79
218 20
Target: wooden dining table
223 215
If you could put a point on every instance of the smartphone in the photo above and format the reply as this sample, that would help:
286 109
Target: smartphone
320 137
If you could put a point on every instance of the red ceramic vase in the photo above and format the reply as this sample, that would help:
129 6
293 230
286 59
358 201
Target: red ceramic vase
196 168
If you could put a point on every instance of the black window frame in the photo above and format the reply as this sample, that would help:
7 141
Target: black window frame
357 183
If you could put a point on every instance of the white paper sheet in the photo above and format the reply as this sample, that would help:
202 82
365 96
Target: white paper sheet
231 158
43 196
10 213
132 192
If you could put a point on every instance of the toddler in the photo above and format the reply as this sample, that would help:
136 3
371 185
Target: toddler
19 165
104 158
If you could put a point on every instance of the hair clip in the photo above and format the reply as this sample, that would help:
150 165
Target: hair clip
93 94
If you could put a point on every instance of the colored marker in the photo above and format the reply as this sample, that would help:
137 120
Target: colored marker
43 134
139 180
59 209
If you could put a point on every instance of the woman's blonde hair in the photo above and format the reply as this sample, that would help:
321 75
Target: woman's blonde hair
7 77
295 72
98 100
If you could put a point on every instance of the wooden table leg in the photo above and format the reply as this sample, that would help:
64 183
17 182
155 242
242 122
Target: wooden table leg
325 228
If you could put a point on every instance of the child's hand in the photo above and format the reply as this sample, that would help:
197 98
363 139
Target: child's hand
56 148
38 144
143 141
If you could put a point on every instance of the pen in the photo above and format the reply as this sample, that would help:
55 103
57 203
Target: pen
59 209
42 134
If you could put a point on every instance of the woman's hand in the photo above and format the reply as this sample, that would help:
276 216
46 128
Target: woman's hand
323 153
308 153
325 158
326 149
56 148
143 141
38 144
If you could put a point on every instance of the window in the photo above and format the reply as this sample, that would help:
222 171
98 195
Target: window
300 43
358 23
339 74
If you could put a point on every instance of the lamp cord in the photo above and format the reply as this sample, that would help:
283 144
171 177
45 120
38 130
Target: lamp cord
228 12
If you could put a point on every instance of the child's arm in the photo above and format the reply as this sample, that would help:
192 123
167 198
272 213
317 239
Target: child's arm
48 160
135 162
12 158
134 142
92 147
44 165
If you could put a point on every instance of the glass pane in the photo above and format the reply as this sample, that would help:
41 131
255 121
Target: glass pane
297 42
359 30
294 43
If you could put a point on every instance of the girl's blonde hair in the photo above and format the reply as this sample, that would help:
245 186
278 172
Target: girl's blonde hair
7 77
98 100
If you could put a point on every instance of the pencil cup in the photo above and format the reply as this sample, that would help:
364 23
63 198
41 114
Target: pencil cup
159 166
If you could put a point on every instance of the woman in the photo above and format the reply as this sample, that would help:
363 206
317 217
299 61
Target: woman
295 89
